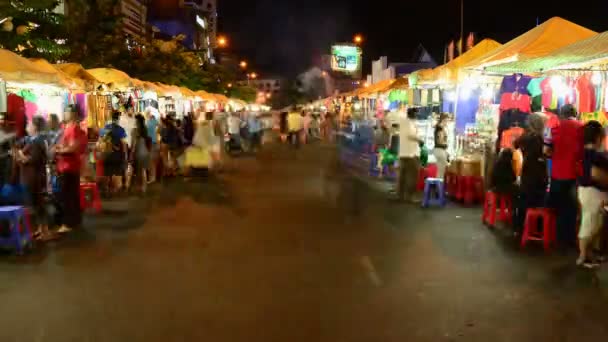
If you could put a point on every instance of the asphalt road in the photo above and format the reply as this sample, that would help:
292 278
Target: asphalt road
283 247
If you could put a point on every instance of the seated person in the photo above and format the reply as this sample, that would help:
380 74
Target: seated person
503 180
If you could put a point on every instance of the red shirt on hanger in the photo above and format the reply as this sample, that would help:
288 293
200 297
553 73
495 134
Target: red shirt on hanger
586 95
545 86
515 101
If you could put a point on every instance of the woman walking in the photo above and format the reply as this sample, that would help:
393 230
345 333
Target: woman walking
140 152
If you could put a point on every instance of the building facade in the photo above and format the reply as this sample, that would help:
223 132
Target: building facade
196 20
134 13
271 86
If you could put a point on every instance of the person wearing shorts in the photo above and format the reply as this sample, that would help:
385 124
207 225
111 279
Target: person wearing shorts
593 184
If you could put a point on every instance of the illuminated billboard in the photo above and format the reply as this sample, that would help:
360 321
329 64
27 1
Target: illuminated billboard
346 59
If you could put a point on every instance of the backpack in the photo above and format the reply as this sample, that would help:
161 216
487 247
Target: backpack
106 144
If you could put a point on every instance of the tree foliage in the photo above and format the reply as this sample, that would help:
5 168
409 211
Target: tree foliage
96 39
244 93
33 29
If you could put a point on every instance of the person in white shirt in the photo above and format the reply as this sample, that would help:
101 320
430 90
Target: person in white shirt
409 157
234 128
127 122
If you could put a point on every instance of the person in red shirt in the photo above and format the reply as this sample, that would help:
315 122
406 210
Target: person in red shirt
68 152
564 144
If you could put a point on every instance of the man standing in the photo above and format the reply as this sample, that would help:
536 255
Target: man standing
255 130
68 150
409 157
234 129
563 144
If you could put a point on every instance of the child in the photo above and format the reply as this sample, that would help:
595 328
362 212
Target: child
593 184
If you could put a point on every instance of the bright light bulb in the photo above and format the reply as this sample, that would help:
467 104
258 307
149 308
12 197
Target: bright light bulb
596 78
450 96
465 93
558 85
487 93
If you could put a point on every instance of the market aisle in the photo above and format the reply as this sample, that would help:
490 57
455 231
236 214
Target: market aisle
264 254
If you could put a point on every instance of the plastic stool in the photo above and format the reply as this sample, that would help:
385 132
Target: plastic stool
490 205
473 189
532 231
20 234
440 201
451 183
95 201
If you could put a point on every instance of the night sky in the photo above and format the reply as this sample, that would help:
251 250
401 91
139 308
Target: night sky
285 37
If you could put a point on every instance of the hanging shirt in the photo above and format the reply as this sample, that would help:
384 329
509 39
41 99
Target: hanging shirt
534 87
595 116
515 83
547 92
424 96
586 94
515 101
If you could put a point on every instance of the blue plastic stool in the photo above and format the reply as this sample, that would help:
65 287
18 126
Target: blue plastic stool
20 234
427 201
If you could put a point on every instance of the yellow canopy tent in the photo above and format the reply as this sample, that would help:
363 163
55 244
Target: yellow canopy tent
65 80
14 68
115 79
538 42
168 90
582 55
400 83
150 86
221 98
205 96
77 71
186 92
451 71
379 87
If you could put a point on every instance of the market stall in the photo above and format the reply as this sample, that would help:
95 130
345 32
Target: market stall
25 84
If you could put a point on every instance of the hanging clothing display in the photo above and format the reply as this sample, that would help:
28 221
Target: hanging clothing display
424 97
515 101
516 83
549 101
3 104
16 113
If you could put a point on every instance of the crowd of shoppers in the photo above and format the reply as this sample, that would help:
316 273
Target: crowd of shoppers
44 169
574 186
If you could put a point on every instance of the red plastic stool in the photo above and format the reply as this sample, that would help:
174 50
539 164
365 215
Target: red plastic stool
490 204
95 200
532 231
451 181
472 189
460 188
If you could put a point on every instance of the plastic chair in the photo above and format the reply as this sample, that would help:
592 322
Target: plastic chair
535 232
428 200
94 201
20 234
490 205
472 189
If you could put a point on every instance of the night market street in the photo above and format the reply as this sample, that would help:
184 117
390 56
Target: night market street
261 254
